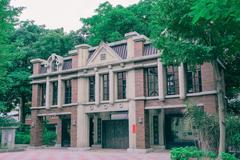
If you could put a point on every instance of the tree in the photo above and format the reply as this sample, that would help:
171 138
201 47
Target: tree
111 23
8 19
187 37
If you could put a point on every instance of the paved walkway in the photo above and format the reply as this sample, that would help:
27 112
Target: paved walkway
64 154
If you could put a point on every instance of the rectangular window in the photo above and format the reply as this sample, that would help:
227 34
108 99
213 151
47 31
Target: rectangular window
91 88
172 80
54 92
121 85
105 79
151 81
42 94
68 92
194 79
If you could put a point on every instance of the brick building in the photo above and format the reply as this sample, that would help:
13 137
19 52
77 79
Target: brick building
118 95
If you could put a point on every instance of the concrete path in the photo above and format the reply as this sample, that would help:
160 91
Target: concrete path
65 154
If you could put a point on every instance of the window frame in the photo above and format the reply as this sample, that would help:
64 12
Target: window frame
42 92
55 93
151 81
193 78
91 89
68 92
105 87
121 85
173 83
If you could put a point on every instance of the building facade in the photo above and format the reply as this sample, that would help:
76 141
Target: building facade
118 95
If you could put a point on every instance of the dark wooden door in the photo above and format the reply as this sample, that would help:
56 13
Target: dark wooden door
66 129
115 134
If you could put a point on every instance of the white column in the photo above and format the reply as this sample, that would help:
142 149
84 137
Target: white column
82 128
111 87
161 127
47 93
97 88
182 88
59 92
161 80
132 108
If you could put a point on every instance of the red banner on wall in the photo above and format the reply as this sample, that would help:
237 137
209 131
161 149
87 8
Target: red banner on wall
134 128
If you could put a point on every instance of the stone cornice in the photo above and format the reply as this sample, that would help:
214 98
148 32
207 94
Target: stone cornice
97 66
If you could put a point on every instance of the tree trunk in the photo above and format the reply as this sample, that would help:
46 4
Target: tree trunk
21 109
221 106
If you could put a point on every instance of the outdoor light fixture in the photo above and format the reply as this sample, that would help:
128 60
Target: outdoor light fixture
32 124
139 120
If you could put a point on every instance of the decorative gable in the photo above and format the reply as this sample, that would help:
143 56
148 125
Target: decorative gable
103 54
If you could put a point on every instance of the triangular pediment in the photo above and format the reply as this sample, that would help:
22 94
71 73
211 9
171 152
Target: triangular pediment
103 54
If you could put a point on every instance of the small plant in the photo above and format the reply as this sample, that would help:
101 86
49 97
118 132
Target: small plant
186 153
227 156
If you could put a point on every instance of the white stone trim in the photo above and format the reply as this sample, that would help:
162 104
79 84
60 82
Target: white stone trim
70 104
171 106
201 93
53 114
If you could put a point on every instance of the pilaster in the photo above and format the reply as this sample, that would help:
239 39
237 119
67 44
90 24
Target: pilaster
182 83
59 96
47 93
97 88
161 80
111 86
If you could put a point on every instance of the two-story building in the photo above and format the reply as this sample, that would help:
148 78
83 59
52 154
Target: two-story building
118 95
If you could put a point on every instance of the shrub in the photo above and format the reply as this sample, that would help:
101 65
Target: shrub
22 138
227 156
185 153
49 137
23 134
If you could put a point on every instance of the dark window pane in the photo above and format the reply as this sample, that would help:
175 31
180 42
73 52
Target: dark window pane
42 94
67 64
194 79
121 85
68 92
91 89
172 80
54 93
105 87
54 66
151 81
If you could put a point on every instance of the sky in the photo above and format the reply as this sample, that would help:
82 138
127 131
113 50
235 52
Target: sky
61 13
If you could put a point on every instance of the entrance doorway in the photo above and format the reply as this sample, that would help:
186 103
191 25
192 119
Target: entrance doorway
178 131
66 132
115 134
91 131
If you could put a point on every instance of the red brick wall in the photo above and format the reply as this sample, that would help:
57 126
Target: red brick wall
36 68
138 49
74 90
36 130
139 83
59 131
35 96
208 79
75 61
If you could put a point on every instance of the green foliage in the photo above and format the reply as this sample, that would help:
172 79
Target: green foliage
206 125
227 156
185 153
233 131
49 137
8 122
23 135
111 23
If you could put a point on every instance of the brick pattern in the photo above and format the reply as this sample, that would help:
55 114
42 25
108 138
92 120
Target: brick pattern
75 61
59 131
139 83
36 130
36 68
35 96
74 90
138 49
208 78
